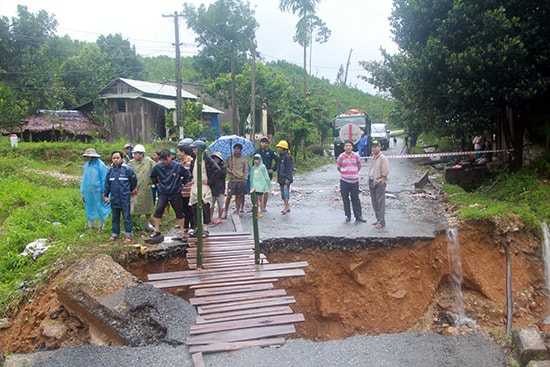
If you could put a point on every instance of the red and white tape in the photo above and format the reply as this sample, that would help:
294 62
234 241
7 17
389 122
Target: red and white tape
445 154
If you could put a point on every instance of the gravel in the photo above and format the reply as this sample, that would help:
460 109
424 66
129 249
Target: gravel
395 350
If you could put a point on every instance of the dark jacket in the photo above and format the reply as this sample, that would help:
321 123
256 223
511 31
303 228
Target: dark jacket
284 169
120 183
212 169
269 158
218 184
170 179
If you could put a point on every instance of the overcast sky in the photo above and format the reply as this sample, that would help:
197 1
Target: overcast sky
361 25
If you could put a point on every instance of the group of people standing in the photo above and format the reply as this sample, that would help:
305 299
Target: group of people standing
349 165
148 187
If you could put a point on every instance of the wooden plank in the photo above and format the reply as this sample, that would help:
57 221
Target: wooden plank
233 289
192 273
227 347
256 274
214 285
227 234
210 241
246 255
236 277
198 361
241 305
198 301
246 323
222 266
241 335
223 246
243 314
237 223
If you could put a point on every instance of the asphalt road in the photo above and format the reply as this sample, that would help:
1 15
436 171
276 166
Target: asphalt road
317 208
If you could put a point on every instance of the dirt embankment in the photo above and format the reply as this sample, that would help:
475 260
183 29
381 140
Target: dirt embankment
409 289
367 292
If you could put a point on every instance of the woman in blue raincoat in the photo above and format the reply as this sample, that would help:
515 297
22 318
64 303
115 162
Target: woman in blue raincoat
91 187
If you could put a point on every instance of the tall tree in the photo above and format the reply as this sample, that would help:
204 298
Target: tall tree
308 25
225 30
468 66
121 56
28 68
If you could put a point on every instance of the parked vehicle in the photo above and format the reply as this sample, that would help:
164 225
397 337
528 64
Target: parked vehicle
381 133
348 126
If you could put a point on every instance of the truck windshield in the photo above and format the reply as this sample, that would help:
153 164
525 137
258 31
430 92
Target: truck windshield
378 128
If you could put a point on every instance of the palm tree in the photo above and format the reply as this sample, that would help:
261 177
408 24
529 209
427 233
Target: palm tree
303 8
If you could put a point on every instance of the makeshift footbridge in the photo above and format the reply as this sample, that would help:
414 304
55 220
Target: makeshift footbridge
237 302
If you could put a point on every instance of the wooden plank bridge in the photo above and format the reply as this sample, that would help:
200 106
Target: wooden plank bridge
236 300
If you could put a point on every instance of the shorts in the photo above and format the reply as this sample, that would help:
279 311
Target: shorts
175 200
237 188
285 191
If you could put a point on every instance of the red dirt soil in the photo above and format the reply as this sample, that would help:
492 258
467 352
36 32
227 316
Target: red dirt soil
364 292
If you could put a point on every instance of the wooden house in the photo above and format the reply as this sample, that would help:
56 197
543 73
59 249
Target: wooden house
139 109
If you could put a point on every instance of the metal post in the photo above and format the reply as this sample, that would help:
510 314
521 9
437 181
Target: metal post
198 181
254 198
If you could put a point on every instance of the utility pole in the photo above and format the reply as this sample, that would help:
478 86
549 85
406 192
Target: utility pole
179 116
253 96
347 67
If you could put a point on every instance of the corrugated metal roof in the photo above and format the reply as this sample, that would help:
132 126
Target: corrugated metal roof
156 88
171 105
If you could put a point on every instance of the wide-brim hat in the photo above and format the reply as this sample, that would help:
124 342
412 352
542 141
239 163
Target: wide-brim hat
219 155
90 152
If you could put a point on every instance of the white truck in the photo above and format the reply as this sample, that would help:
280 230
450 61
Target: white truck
380 132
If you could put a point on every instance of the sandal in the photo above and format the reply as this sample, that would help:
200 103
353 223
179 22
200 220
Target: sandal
378 226
128 240
205 233
154 234
218 221
113 238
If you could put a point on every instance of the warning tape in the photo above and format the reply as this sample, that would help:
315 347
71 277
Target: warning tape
445 154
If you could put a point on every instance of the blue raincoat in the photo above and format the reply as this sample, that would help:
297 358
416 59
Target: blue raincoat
91 187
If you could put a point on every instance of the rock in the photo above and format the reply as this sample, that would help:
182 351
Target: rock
120 310
54 333
450 331
5 324
399 294
530 345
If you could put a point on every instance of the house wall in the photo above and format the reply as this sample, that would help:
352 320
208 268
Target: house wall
139 123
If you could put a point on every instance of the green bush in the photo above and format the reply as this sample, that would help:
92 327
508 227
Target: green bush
525 193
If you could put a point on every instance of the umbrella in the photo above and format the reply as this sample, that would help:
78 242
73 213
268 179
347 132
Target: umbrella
225 144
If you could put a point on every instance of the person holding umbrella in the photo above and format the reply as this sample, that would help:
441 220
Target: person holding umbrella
284 173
